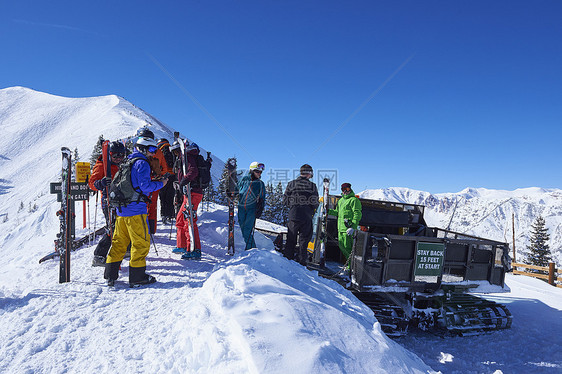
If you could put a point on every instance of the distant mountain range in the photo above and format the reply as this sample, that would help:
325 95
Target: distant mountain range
488 213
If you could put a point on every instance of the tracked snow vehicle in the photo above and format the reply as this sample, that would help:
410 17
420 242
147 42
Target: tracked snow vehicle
414 275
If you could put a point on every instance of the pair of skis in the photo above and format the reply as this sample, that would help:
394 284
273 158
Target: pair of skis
64 237
189 205
231 188
324 217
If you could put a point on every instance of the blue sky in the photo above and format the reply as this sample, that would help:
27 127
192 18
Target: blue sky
431 95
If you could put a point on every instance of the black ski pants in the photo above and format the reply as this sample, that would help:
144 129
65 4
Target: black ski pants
167 198
302 229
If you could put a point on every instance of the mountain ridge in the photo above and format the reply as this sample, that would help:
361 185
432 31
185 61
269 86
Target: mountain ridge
487 213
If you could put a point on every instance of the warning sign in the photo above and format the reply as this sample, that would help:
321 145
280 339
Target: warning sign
82 171
429 259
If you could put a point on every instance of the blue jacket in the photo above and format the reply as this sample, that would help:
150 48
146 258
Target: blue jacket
251 194
140 177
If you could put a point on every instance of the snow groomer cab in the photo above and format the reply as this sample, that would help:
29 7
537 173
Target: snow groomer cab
413 275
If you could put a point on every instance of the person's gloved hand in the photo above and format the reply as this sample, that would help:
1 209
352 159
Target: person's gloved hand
350 231
101 184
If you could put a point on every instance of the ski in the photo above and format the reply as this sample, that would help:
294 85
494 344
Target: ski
51 255
75 244
323 235
64 244
189 206
231 196
107 168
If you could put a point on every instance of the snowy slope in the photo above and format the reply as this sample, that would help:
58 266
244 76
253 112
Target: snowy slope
488 213
36 125
253 313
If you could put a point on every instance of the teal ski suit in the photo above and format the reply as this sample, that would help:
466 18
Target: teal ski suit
251 201
348 207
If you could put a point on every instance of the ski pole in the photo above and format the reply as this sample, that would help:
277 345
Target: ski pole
154 243
95 216
171 227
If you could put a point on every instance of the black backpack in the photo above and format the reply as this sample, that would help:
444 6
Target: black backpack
121 191
204 173
168 157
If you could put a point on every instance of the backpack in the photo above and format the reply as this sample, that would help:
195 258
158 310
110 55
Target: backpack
204 173
121 191
168 157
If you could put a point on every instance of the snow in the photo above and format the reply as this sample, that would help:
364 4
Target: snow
531 345
255 312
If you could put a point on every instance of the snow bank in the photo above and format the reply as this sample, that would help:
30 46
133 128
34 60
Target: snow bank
318 326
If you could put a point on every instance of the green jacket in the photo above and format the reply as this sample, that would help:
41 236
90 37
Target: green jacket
348 207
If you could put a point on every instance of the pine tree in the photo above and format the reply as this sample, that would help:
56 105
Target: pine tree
210 194
275 211
98 148
282 211
268 209
220 197
539 250
221 193
75 158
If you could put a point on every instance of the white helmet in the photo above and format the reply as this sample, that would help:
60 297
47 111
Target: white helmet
146 145
257 166
147 142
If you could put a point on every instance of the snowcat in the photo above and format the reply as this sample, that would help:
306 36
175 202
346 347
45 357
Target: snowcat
410 274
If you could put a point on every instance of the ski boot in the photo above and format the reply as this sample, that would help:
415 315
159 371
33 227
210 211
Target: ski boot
179 250
149 280
195 255
98 261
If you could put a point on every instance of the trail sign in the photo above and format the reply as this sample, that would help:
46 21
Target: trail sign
429 259
82 171
78 191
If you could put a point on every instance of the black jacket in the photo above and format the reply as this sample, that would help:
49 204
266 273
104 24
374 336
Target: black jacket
301 196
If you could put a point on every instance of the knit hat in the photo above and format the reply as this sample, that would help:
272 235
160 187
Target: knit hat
345 186
306 169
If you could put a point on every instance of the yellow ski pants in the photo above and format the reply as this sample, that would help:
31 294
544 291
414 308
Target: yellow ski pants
132 230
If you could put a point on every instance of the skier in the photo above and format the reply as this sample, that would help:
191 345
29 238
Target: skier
131 224
178 171
156 161
301 196
99 182
349 213
182 221
251 202
166 194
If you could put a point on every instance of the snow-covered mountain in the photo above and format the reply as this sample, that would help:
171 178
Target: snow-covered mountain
36 125
488 213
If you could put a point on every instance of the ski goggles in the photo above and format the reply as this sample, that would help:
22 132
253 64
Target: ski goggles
118 155
152 149
260 167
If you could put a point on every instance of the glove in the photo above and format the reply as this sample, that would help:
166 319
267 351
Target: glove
350 231
101 184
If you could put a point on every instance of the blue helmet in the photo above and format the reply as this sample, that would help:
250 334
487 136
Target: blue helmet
191 147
